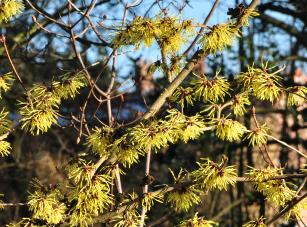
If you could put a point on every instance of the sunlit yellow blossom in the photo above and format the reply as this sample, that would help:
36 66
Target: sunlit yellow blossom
45 204
239 102
198 222
297 210
230 130
210 90
183 198
150 198
169 32
219 37
264 84
183 96
39 111
213 175
90 199
129 218
10 8
126 153
259 222
276 191
152 135
6 82
69 86
258 136
247 14
5 122
297 96
5 148
100 140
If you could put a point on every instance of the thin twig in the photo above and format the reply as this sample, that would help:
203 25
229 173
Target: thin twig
290 205
287 145
12 204
145 188
265 146
3 41
204 25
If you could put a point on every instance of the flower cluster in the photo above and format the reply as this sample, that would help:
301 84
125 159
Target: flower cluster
45 203
68 86
259 222
258 136
183 96
10 8
186 128
157 134
230 130
212 175
297 96
239 102
210 90
183 198
276 191
219 37
150 198
40 110
5 126
170 33
100 140
130 217
198 222
152 135
6 82
90 193
126 152
264 85
296 210
5 148
247 14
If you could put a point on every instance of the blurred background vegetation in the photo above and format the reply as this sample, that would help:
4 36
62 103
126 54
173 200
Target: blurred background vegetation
279 34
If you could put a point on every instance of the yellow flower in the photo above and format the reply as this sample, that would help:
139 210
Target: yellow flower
265 84
210 90
213 175
276 191
184 197
229 130
239 102
99 140
259 222
198 222
258 136
149 200
297 96
39 111
5 148
69 86
6 82
169 32
45 204
219 37
248 13
10 8
5 122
